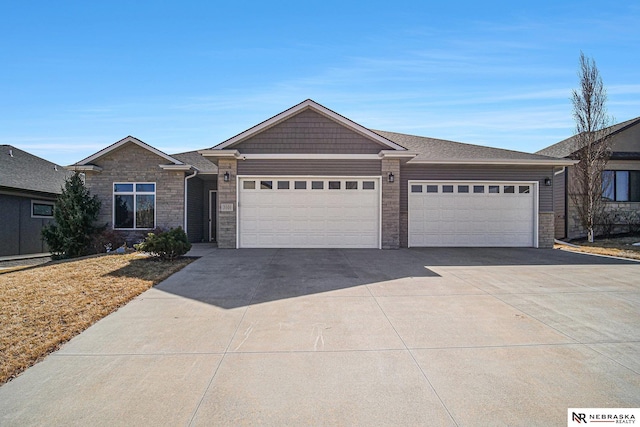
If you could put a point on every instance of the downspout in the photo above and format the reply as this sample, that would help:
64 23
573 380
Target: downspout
566 200
186 179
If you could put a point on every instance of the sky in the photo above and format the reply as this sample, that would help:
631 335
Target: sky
77 76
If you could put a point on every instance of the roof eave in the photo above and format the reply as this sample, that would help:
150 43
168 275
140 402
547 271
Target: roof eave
506 162
128 139
83 168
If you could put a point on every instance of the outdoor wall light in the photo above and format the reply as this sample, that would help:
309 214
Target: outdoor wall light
547 182
226 176
391 177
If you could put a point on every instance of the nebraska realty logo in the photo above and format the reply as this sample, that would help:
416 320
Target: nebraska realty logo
581 416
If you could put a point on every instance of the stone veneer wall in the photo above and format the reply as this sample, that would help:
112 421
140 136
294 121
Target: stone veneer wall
227 194
390 204
132 163
546 230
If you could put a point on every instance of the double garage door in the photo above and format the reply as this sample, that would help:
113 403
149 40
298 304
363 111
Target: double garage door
333 212
472 214
317 212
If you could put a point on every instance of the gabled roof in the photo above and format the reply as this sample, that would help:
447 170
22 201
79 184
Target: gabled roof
440 151
128 139
568 146
304 105
23 171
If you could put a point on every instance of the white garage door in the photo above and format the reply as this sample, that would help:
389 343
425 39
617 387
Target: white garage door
294 212
472 214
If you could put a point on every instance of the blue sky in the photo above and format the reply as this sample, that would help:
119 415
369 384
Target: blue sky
78 76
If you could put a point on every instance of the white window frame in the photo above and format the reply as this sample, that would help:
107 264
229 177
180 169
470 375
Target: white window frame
42 202
134 193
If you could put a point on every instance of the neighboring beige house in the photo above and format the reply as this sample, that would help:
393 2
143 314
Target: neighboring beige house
309 177
622 180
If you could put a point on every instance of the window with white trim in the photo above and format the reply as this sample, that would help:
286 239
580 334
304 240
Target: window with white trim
134 205
40 209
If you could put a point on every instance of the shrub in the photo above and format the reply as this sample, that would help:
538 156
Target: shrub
167 245
106 241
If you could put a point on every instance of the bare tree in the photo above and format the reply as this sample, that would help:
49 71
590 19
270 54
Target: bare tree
592 146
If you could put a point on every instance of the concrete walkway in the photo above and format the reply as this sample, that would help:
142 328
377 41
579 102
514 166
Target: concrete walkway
434 337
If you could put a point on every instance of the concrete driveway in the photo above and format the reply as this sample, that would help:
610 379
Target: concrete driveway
352 337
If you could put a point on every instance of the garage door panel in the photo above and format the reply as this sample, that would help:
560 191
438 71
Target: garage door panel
313 218
471 219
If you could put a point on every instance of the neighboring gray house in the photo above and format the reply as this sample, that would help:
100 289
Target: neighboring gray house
29 186
622 192
309 177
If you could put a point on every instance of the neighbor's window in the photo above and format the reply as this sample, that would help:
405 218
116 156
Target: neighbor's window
41 209
134 205
621 186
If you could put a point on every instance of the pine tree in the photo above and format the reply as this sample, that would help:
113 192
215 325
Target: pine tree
75 213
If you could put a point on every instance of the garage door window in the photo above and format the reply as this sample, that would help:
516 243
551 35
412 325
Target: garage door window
351 185
369 185
334 185
416 188
283 185
249 185
494 189
478 188
509 189
447 188
300 185
317 185
266 185
432 188
463 188
524 189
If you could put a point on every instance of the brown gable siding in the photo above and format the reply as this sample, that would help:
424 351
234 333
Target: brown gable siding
309 132
310 167
132 163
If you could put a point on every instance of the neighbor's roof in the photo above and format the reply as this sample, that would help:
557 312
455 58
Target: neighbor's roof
568 146
432 150
23 171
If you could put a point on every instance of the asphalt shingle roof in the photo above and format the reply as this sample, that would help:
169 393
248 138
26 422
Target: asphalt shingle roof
196 160
433 149
568 146
25 171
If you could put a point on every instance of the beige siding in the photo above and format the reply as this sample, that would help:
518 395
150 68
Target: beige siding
309 132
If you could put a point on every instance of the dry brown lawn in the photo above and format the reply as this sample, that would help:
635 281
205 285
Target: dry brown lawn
44 306
621 247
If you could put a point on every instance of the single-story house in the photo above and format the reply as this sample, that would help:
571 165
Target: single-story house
621 178
309 177
29 187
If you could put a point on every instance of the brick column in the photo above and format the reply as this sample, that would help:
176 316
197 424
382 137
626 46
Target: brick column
546 230
390 204
227 226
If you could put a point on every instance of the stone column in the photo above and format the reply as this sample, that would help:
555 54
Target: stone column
228 205
390 204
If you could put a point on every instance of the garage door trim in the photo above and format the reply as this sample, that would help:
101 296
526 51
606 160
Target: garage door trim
534 185
377 191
